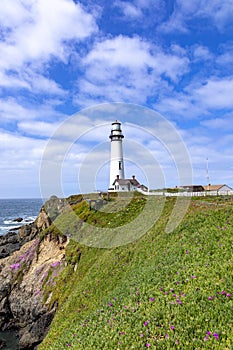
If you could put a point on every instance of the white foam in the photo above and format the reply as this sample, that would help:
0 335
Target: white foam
7 228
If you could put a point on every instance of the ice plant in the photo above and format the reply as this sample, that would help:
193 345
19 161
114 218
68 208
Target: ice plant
15 266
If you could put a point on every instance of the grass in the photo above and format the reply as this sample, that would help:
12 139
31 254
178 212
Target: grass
163 291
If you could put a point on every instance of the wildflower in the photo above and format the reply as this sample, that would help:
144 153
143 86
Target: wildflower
140 335
208 333
210 298
148 345
177 342
166 336
146 323
69 345
206 338
223 292
109 304
55 264
15 266
152 299
124 307
216 336
193 276
122 333
228 295
172 328
186 252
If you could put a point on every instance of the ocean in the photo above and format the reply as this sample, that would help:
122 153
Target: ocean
11 209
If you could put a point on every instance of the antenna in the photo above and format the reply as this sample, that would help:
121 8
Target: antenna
207 171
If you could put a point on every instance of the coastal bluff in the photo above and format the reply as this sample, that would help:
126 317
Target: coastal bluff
29 260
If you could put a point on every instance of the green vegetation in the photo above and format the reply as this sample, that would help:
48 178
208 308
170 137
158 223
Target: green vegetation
163 291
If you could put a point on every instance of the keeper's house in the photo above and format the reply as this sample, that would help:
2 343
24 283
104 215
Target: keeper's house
218 189
127 185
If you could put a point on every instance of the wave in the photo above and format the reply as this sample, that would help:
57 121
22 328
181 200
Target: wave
26 220
5 229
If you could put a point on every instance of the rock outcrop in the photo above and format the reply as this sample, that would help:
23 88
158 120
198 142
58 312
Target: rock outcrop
29 264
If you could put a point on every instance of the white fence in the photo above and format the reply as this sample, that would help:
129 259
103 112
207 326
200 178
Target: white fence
187 194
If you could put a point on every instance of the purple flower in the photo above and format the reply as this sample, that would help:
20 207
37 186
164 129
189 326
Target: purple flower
166 336
109 304
148 345
228 295
69 345
186 252
122 333
55 264
206 338
15 266
210 298
152 299
223 292
172 328
193 276
216 336
208 333
146 323
177 342
140 335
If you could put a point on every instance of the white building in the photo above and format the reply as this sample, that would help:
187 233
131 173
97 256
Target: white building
125 185
218 189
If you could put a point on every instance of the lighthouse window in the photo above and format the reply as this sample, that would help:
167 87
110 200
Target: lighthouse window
120 166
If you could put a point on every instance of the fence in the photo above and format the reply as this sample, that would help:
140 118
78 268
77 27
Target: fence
187 194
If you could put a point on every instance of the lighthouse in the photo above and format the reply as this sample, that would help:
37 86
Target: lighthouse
116 160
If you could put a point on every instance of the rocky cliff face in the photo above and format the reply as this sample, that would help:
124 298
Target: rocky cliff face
28 263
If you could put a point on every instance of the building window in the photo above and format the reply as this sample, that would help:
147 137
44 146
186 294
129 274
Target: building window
120 166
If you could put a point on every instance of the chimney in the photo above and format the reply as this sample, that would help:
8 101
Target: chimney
133 177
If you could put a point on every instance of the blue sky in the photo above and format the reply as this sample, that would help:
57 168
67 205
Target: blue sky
58 57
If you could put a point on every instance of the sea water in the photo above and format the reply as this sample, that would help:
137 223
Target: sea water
11 209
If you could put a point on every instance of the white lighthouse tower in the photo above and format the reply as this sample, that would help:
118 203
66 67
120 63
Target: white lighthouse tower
116 161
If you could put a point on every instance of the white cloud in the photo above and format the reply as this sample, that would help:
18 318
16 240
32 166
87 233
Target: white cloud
13 110
128 69
199 99
129 10
36 32
219 12
202 53
37 128
215 93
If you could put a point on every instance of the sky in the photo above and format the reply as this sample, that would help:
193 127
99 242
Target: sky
69 68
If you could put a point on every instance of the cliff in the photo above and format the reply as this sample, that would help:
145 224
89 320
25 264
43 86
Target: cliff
30 260
164 290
